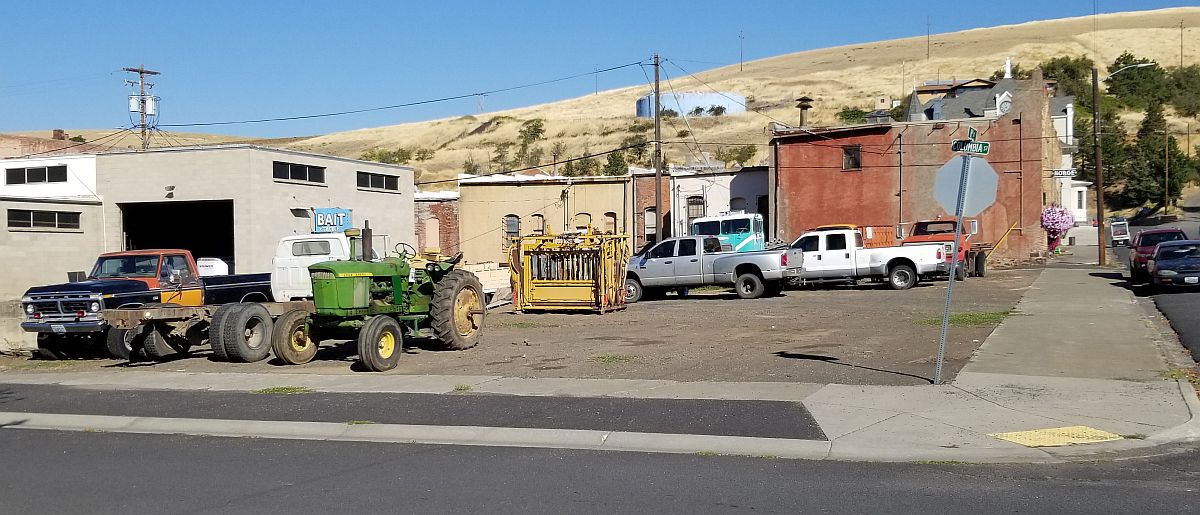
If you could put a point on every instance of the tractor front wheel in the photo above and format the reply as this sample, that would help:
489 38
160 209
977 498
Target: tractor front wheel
292 343
380 343
457 310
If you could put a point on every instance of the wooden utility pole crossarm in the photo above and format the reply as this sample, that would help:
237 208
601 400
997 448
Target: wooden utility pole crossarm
142 73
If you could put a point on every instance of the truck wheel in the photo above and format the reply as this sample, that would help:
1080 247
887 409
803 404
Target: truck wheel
457 311
246 334
749 286
380 343
290 341
156 345
960 271
52 347
120 343
980 264
215 330
633 290
902 277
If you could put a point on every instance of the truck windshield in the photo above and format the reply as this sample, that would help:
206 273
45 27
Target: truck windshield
1150 240
709 228
933 228
735 226
125 266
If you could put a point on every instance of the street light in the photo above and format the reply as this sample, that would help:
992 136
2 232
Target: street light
1103 244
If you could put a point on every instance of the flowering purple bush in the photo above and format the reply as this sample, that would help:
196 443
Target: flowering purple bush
1056 220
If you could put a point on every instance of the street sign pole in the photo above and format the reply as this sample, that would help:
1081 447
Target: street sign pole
958 216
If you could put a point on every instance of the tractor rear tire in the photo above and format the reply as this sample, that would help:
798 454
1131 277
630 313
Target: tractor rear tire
456 313
246 334
291 342
156 345
380 343
215 338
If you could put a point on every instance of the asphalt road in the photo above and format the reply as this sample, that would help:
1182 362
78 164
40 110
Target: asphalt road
767 419
1179 305
99 473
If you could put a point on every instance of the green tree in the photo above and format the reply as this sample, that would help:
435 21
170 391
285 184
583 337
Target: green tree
852 115
1112 139
587 165
697 111
1017 73
470 166
1185 90
532 131
1074 76
400 156
1137 87
500 157
637 153
424 154
736 155
669 113
615 164
79 139
1145 173
716 110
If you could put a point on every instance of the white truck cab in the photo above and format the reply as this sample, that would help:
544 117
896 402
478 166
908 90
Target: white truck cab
293 255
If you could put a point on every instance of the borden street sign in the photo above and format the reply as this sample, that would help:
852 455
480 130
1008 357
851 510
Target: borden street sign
970 147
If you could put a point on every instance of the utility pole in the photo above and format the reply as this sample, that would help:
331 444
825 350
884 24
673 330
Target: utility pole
658 211
1166 171
742 54
1099 158
927 43
142 73
1180 44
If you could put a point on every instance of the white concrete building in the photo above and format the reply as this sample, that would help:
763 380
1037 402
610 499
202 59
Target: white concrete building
1073 193
711 192
228 201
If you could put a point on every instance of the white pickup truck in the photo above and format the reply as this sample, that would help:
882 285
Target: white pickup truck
839 255
689 261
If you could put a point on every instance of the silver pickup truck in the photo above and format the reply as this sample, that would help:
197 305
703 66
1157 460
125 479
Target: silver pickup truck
689 261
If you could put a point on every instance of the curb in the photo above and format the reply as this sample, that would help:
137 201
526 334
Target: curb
1188 431
427 434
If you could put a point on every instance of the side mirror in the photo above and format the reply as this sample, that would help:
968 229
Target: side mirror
176 277
973 227
900 232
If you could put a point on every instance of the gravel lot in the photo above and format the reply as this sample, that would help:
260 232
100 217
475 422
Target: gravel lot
850 335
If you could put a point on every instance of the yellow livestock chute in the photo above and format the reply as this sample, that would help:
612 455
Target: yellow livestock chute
569 272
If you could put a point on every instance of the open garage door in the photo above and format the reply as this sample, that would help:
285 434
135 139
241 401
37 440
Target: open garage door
203 227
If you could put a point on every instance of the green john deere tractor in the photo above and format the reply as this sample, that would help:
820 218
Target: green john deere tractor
378 302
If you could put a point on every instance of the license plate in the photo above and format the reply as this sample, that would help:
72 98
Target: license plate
58 328
1191 280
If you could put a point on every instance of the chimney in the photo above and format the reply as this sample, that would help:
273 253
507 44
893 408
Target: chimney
804 103
59 134
1008 68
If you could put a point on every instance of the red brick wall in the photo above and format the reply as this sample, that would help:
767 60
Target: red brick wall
812 189
644 198
446 212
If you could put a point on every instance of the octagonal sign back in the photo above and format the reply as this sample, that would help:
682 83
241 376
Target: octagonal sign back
982 182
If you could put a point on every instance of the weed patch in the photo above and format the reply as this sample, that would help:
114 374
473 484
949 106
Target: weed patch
284 390
613 359
969 319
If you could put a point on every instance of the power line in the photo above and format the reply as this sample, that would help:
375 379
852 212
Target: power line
406 104
93 142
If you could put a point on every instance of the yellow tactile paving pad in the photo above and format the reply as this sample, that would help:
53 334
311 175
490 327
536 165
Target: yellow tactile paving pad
1057 436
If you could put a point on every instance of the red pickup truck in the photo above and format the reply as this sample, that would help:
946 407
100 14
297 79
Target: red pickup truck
69 317
972 254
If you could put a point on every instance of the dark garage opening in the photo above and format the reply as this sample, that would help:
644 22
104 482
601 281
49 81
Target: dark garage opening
203 227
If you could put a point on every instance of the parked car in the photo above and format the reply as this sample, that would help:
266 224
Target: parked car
1175 263
690 261
839 255
1142 248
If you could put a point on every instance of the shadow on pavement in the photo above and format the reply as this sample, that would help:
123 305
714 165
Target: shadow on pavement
836 361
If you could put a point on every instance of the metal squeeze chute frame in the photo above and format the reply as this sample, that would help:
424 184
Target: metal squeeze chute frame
569 272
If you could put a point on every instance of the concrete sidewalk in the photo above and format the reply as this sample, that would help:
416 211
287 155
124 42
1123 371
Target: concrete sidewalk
1080 352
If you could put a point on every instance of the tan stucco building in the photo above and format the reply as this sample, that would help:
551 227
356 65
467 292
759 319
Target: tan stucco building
495 209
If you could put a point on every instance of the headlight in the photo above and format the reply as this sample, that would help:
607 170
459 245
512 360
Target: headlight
94 307
431 268
1167 272
29 309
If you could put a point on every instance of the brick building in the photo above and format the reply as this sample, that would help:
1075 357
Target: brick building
883 173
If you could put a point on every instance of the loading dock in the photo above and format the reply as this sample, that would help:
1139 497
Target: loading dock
204 227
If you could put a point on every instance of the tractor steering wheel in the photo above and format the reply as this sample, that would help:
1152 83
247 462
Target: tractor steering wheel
403 248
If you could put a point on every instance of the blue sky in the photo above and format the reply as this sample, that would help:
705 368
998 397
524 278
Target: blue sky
236 60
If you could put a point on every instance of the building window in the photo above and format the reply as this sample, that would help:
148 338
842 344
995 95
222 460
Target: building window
582 221
695 208
610 222
737 204
1079 200
537 225
298 172
852 157
651 221
26 219
34 175
378 181
512 229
